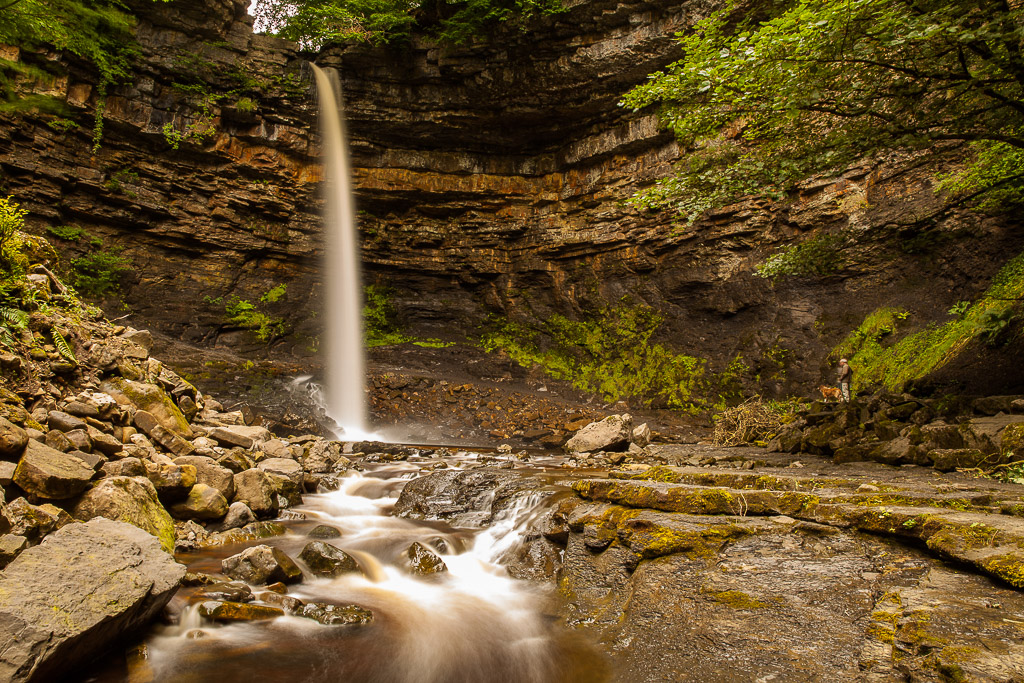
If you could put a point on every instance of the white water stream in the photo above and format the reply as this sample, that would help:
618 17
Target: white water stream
343 336
471 624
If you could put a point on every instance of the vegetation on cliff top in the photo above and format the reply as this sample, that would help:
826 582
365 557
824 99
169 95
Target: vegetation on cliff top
316 23
765 102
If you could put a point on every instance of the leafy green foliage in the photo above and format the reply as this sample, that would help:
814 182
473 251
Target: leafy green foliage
246 315
274 294
63 348
118 179
99 272
765 102
820 255
12 219
879 357
68 233
97 31
380 327
316 23
612 353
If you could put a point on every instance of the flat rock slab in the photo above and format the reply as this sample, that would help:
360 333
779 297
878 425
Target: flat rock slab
48 473
85 587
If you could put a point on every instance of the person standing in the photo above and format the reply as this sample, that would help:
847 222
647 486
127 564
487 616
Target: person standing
845 376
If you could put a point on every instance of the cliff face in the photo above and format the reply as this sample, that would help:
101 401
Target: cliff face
491 180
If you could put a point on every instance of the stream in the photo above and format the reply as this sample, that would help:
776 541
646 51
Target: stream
471 624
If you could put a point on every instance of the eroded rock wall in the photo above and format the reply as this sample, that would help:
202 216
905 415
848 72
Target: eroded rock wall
491 178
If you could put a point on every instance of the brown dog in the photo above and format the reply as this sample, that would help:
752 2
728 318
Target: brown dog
830 392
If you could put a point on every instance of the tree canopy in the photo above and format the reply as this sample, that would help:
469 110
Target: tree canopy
762 104
316 23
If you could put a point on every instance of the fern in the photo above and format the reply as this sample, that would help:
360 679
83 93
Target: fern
14 318
62 346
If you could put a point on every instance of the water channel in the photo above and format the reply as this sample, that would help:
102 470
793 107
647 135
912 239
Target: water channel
470 624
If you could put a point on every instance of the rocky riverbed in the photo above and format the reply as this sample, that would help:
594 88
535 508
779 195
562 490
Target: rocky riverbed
861 543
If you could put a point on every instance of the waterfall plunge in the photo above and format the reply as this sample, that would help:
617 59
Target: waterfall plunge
346 373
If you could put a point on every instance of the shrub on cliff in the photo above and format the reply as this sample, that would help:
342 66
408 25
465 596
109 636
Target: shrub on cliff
763 102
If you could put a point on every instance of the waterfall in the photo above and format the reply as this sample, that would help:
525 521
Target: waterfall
345 372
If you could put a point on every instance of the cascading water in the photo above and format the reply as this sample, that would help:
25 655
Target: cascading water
471 624
345 372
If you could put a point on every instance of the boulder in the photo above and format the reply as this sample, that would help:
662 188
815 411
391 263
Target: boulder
125 467
423 561
203 503
613 433
48 473
64 422
13 439
33 522
84 589
283 467
324 531
642 435
939 435
256 489
79 438
324 559
11 546
275 448
289 493
322 457
7 469
238 516
262 564
128 499
993 405
163 436
237 611
172 482
151 399
210 473
105 443
58 441
236 461
949 459
240 435
232 591
336 615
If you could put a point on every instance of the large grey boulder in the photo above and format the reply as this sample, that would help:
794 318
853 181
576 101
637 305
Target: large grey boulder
86 587
50 474
613 433
128 499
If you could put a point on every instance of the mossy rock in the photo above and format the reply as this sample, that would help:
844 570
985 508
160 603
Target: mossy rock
152 399
128 499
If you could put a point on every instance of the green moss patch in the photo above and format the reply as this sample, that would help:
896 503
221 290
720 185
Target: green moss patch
880 357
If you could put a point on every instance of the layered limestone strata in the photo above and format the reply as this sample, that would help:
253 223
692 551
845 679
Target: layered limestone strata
491 178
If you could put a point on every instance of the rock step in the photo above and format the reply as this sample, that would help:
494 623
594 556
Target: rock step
993 543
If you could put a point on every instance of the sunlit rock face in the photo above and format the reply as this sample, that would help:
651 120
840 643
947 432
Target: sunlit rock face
491 178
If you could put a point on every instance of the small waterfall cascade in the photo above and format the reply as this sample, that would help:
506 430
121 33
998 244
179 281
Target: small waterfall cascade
346 367
471 623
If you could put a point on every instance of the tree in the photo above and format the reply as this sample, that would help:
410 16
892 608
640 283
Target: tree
96 31
821 84
316 23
